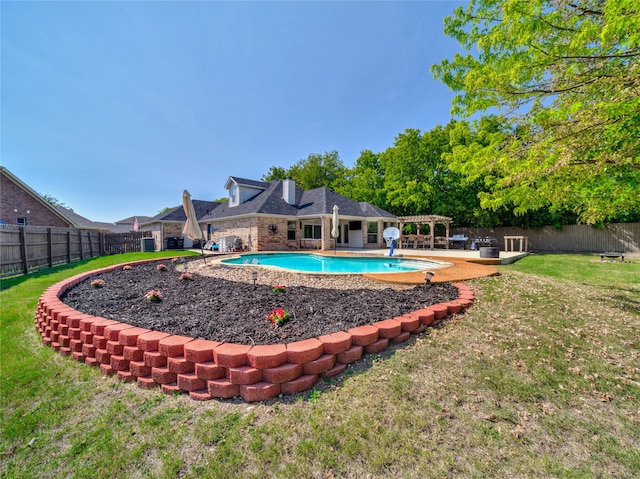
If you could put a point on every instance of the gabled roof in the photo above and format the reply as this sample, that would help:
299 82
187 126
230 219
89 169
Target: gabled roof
245 182
86 224
203 208
316 202
268 201
27 189
129 220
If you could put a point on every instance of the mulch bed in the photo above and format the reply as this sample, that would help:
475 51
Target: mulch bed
235 312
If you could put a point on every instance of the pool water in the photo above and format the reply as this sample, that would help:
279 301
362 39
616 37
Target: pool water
313 263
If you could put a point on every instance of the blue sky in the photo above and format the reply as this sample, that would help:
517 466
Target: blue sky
114 108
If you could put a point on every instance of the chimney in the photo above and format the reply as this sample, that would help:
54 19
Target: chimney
289 191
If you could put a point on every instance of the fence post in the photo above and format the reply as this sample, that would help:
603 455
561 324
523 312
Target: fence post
50 247
90 244
23 251
68 246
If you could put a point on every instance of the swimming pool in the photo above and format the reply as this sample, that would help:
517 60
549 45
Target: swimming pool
314 263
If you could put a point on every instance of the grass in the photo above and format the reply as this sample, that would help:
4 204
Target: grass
541 378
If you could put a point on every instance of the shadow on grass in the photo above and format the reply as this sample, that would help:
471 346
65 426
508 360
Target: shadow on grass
107 260
7 283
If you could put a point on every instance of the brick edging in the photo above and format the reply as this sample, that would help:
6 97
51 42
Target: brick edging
209 369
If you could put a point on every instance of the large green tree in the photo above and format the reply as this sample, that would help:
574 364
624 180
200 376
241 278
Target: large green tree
364 182
564 77
315 171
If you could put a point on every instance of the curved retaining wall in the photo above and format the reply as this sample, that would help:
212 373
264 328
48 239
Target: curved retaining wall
209 369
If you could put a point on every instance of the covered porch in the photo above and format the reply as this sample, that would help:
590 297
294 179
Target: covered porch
315 233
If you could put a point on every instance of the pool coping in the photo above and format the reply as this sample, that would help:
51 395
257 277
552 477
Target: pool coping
209 369
376 276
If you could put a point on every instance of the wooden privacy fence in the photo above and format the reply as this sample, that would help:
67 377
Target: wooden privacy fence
25 249
130 242
621 237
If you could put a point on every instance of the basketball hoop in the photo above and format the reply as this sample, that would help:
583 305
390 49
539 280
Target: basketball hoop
390 235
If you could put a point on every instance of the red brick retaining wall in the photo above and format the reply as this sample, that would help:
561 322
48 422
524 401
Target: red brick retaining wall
209 369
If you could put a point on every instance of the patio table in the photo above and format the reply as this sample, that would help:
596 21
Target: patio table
523 243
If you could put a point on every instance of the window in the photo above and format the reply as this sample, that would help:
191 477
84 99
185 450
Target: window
22 221
233 195
312 232
372 232
291 230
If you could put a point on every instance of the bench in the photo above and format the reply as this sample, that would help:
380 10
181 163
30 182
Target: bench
612 255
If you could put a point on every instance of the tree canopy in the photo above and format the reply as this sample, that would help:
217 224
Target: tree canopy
315 171
564 78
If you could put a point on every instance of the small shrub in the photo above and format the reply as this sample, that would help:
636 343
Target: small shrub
278 316
97 283
153 295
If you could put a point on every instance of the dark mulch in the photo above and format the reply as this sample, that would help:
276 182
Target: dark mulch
227 311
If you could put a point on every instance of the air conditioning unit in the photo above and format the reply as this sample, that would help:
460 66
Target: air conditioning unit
147 245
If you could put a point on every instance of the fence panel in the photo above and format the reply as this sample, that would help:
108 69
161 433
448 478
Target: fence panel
621 237
24 249
10 255
129 242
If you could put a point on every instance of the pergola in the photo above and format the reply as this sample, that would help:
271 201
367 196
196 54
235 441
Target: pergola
432 221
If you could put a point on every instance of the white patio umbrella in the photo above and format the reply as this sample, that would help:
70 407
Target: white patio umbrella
191 226
335 229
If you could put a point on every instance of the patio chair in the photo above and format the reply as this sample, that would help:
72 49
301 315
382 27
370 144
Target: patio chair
440 241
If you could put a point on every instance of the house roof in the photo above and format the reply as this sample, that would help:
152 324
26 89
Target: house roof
203 208
316 202
86 224
60 212
129 220
246 182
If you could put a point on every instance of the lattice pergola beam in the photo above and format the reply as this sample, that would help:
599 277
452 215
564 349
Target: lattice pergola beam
424 219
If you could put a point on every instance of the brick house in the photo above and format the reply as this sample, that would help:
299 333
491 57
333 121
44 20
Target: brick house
277 216
23 206
166 227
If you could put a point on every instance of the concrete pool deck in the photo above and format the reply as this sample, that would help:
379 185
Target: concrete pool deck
466 264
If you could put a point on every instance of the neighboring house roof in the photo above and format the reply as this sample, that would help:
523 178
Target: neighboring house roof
316 202
129 221
203 208
81 222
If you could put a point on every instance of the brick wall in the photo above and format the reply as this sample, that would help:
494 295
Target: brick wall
12 198
256 233
268 241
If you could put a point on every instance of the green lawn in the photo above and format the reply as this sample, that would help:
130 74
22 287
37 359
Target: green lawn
541 378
